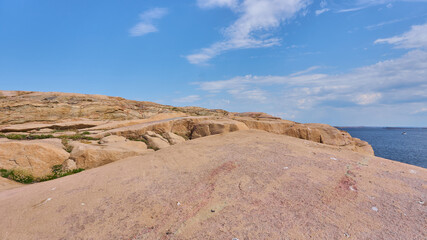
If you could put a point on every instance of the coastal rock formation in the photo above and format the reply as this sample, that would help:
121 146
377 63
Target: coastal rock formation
173 138
68 165
36 157
21 107
217 126
114 121
247 184
90 155
156 141
321 133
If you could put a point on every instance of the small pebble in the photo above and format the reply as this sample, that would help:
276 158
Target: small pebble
332 158
178 204
286 168
53 189
212 210
413 171
421 202
347 235
375 209
82 204
235 239
352 188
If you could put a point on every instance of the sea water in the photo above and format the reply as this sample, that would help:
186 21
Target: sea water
407 145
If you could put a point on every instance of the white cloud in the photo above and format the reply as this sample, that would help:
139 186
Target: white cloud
217 3
320 11
146 22
414 38
362 4
255 18
421 110
368 98
351 9
389 82
378 25
323 3
188 99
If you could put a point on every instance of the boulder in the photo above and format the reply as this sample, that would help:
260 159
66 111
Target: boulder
217 126
68 165
173 138
321 133
94 155
273 126
180 125
155 141
36 157
112 139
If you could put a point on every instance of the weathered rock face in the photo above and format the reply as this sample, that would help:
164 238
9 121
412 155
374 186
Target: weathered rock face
256 115
73 125
35 157
90 155
217 126
68 165
173 138
321 133
96 117
20 107
247 185
155 141
112 139
179 125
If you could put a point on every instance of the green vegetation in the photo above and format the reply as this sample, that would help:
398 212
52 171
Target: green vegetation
154 148
25 137
57 172
139 140
86 133
67 147
33 137
17 175
78 137
23 176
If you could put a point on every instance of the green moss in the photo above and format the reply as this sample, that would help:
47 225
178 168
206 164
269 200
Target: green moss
27 137
67 147
26 178
17 175
78 137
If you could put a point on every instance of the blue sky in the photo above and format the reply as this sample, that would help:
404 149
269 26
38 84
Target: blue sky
338 62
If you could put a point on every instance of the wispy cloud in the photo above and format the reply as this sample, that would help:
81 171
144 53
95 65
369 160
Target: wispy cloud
414 38
323 7
378 25
362 4
146 25
188 99
351 9
320 11
388 82
248 31
421 110
217 3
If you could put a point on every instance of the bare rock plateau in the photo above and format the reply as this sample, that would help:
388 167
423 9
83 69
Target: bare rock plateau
154 171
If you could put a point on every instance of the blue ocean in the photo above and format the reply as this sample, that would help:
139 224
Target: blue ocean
407 145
